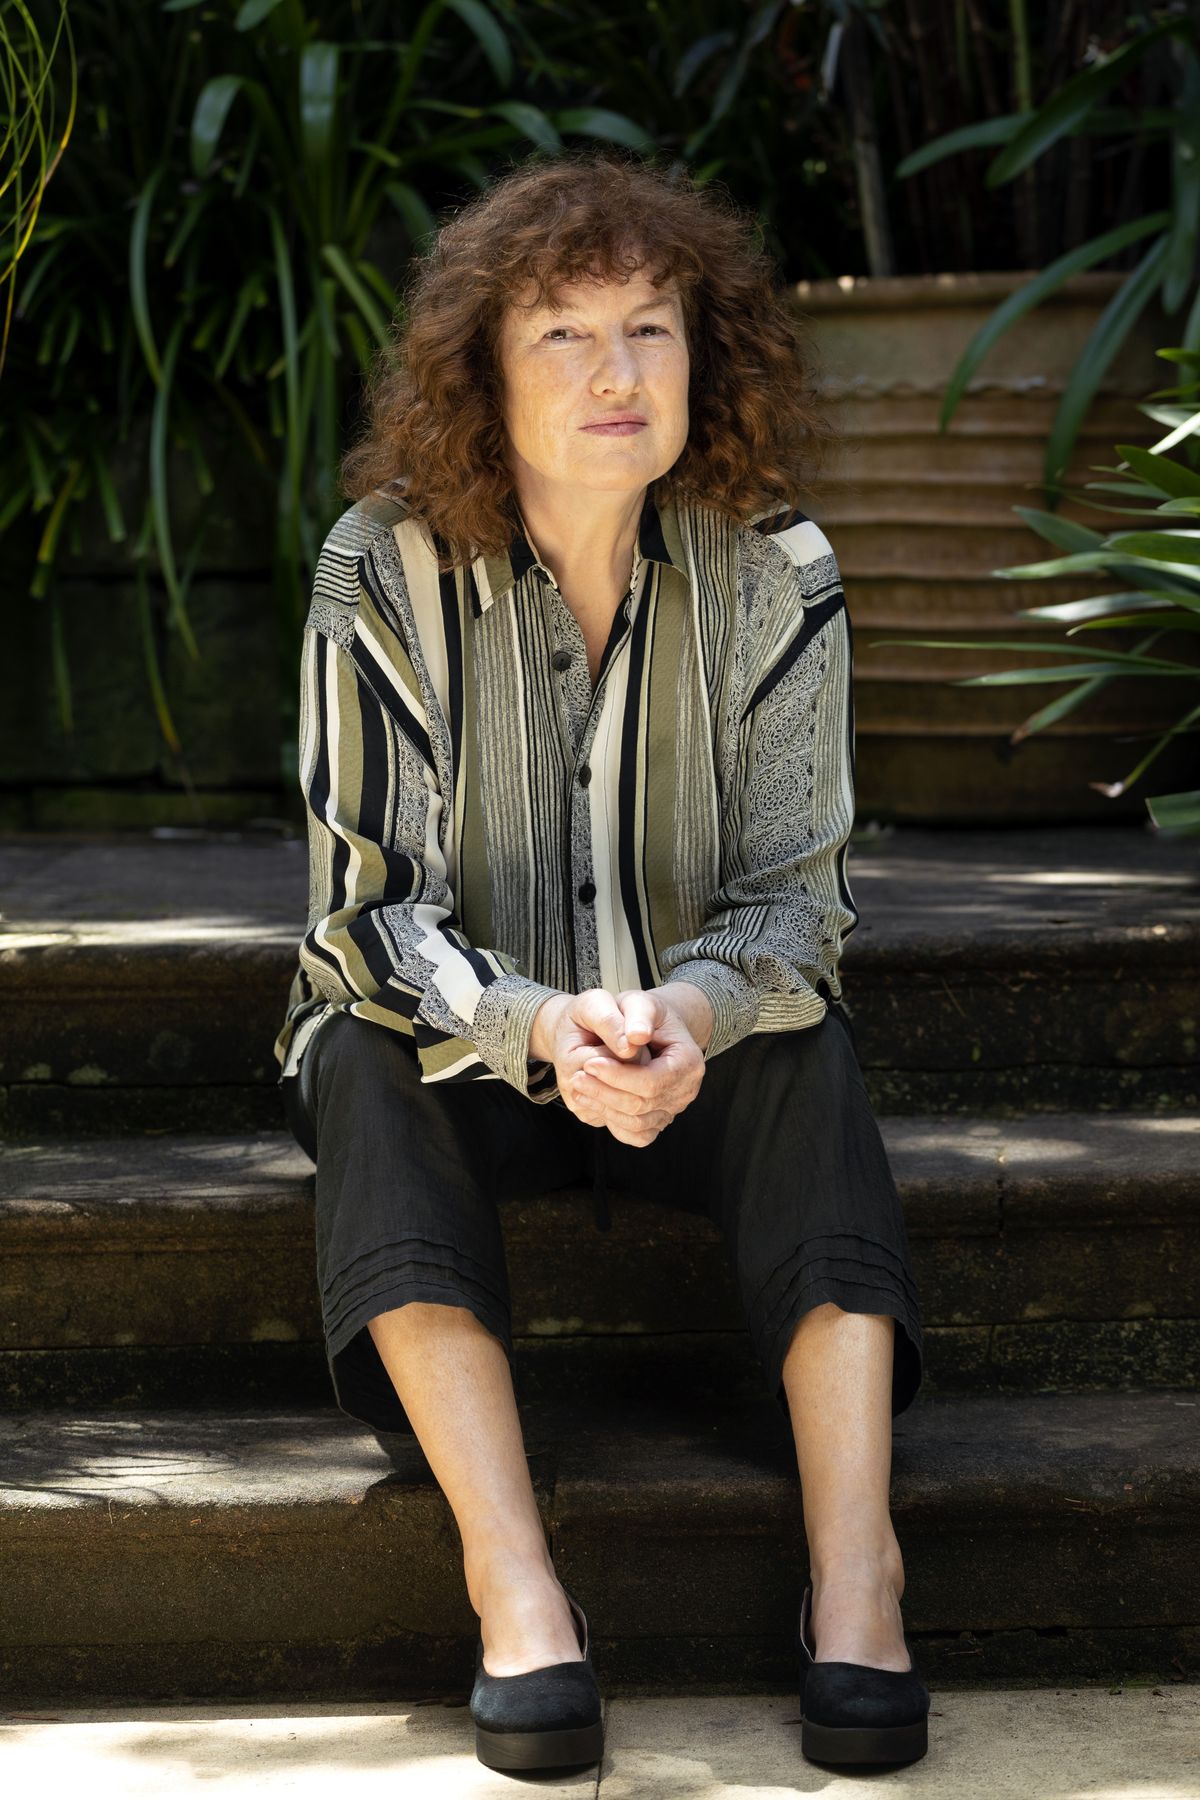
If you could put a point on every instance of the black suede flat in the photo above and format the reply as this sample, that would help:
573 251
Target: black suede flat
542 1718
853 1713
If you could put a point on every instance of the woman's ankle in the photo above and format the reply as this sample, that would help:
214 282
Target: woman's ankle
878 1565
525 1623
498 1573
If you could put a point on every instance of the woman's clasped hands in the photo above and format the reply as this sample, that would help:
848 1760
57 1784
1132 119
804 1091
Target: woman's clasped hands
627 1062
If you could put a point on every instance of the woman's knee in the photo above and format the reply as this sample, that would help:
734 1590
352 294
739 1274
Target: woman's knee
815 1065
352 1052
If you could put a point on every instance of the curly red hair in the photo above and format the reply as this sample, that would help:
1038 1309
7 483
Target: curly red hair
433 397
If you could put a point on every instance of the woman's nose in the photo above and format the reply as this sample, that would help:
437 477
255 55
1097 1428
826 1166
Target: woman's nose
617 362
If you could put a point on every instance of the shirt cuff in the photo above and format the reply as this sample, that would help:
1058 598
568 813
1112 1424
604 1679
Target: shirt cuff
734 999
504 1016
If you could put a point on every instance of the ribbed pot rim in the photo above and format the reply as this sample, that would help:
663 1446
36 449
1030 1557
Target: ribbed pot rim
890 293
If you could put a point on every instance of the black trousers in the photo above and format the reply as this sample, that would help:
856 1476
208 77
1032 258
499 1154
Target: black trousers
780 1149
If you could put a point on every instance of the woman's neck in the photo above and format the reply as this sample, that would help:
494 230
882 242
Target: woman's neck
585 552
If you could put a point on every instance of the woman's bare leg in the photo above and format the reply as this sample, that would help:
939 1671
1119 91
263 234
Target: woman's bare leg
837 1376
455 1384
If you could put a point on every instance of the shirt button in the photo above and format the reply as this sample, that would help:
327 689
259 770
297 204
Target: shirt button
585 775
562 659
588 891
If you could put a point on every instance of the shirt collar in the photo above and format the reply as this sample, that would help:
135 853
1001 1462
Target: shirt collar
659 540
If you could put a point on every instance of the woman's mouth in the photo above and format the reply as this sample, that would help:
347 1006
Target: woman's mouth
620 428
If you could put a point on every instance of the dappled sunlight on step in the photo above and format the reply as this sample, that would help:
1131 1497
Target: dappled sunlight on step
1127 1743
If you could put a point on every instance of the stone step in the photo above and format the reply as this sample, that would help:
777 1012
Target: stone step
1083 1740
143 980
1047 1538
1050 1252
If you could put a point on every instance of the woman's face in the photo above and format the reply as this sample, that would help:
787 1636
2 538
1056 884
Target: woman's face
609 350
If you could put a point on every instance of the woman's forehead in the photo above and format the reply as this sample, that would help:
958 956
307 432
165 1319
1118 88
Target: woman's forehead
636 290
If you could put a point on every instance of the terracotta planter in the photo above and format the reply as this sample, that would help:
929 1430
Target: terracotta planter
919 519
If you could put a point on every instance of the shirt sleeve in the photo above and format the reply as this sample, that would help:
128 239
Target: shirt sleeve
775 927
383 940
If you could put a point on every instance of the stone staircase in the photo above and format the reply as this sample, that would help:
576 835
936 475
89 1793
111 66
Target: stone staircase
186 1513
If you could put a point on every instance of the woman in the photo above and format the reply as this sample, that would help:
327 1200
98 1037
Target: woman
577 747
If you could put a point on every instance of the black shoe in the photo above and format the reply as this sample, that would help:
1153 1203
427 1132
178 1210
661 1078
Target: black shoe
852 1713
542 1718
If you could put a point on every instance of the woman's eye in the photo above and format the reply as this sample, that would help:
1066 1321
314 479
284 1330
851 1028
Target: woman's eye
554 329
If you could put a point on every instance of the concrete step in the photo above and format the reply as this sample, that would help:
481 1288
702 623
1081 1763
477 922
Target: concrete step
257 1552
984 1744
1054 1251
143 980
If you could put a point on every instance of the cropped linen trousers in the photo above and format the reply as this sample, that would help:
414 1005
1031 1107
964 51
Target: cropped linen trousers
780 1149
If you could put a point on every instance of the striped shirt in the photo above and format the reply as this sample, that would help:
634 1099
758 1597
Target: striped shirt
485 831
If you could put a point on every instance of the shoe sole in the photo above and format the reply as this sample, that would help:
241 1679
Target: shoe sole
540 1749
864 1743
